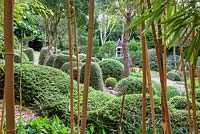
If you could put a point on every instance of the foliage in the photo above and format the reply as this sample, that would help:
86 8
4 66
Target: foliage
43 54
17 57
110 82
173 75
65 52
42 125
171 91
60 59
50 60
107 50
82 57
96 79
168 68
107 117
30 53
170 60
180 102
153 60
65 67
111 68
135 49
197 93
129 85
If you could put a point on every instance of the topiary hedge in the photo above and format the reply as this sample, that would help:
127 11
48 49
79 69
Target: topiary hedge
60 59
129 85
173 75
17 57
111 68
153 60
43 54
65 67
50 60
180 102
30 53
110 82
96 79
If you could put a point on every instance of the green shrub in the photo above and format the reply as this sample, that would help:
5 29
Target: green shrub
171 91
179 121
110 82
30 53
170 60
50 60
82 57
65 52
43 54
153 60
107 50
129 85
42 125
197 93
168 68
61 59
135 49
179 102
173 75
17 58
107 117
65 67
93 59
96 80
111 68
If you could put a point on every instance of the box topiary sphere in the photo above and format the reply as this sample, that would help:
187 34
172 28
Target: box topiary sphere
43 54
61 59
111 68
30 53
110 82
50 60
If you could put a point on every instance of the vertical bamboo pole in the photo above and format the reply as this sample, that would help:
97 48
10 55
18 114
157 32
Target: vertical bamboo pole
9 66
77 63
142 27
185 84
192 81
87 66
166 125
71 69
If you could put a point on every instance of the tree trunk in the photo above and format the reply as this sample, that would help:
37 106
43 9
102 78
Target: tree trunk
125 47
77 64
71 68
198 74
9 66
174 54
87 66
121 114
49 39
185 84
144 71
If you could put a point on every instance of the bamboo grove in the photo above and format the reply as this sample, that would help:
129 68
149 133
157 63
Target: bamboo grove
171 22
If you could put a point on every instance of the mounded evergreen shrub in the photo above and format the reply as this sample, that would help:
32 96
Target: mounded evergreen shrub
173 75
60 59
65 67
65 52
30 53
96 79
168 68
93 59
43 54
82 57
153 59
50 60
111 68
110 82
17 58
129 85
